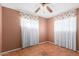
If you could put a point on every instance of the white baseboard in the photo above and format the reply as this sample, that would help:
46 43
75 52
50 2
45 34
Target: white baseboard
9 51
50 42
77 50
43 42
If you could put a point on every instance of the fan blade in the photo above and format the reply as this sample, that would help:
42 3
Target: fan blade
50 10
37 10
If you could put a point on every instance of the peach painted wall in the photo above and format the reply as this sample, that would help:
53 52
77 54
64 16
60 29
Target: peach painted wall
50 30
11 29
78 29
43 29
0 29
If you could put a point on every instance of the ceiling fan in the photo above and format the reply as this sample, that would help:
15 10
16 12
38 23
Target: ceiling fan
43 5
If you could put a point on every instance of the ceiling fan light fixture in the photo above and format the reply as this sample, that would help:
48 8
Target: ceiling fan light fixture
50 10
44 6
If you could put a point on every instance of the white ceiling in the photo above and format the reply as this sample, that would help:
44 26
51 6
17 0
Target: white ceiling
31 7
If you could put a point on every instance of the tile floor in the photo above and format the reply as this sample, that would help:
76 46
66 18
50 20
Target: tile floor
46 49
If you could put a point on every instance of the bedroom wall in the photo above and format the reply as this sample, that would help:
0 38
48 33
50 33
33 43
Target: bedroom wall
11 38
50 29
78 28
43 29
0 29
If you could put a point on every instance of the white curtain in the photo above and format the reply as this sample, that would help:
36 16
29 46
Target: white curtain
29 31
65 32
